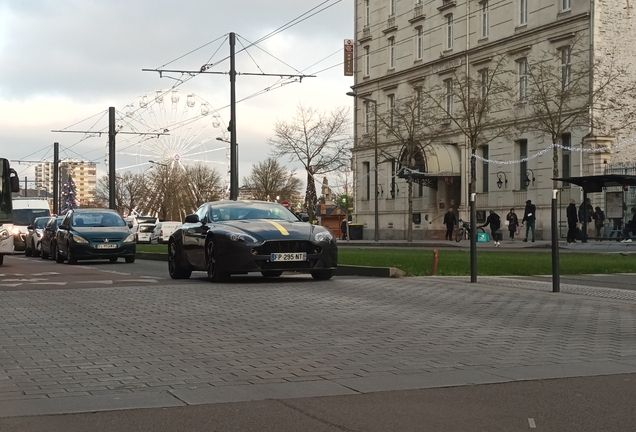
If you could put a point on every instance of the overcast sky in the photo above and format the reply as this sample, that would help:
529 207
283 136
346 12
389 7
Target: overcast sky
64 62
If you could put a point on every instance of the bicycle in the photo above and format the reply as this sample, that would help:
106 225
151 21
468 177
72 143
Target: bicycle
463 230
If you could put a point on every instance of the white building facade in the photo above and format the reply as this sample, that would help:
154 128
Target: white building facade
403 45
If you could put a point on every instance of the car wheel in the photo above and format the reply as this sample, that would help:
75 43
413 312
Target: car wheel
56 253
212 264
44 255
37 252
130 259
271 273
113 259
175 269
322 274
28 251
1 259
69 256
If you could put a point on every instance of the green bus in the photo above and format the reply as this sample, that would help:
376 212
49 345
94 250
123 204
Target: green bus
9 183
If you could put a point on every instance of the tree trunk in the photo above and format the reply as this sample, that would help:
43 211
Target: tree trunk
310 196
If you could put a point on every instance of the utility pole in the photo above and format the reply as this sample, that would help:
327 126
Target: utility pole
232 127
111 158
56 178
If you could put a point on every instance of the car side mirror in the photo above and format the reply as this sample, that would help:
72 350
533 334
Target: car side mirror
30 227
193 218
305 218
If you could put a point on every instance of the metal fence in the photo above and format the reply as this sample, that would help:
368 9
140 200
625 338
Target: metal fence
621 168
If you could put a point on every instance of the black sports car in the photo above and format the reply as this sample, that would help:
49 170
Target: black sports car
238 237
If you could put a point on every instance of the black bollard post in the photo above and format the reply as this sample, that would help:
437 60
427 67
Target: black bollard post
556 277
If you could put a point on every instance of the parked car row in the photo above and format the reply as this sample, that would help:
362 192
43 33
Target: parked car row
82 234
155 233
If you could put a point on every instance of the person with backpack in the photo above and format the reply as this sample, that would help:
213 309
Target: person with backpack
599 222
495 223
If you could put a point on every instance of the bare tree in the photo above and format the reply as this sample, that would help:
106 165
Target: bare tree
130 189
567 91
269 179
204 183
483 101
317 141
414 125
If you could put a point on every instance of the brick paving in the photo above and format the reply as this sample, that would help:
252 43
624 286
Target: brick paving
171 338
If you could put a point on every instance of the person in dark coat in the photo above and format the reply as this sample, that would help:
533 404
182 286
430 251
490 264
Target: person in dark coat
529 218
343 228
513 223
630 227
450 221
599 222
495 223
572 221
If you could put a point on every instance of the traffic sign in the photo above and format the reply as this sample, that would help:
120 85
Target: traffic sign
285 204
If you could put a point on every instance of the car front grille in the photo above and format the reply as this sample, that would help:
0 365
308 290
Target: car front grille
285 247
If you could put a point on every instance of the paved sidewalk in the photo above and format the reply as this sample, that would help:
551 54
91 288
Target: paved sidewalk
106 349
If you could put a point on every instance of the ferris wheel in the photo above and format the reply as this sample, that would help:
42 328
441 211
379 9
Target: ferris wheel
173 129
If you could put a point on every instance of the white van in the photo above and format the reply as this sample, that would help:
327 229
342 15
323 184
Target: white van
144 232
163 231
25 210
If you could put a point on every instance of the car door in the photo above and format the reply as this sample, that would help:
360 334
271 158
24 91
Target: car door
47 234
194 239
62 235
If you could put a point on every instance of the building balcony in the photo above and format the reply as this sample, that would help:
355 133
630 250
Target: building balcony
418 14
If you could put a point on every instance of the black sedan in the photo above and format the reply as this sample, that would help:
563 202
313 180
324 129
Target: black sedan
87 234
48 237
239 237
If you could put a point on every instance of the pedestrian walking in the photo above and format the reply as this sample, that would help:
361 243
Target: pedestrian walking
494 221
529 218
513 223
630 227
599 222
450 221
343 229
572 221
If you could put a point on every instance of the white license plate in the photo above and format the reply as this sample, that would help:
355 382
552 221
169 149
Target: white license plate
106 246
296 256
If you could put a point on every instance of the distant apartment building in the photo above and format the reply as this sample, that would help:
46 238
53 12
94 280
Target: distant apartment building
84 175
404 48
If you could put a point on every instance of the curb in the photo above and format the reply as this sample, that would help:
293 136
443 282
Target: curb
341 270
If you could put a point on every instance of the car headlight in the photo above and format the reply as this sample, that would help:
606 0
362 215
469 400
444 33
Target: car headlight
4 234
129 239
236 237
323 236
78 239
15 230
39 232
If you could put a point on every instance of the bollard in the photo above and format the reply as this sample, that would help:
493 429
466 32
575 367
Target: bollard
435 257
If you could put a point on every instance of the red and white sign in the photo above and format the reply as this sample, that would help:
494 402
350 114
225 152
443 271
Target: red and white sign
285 204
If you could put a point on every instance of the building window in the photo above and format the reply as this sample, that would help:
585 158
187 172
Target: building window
523 12
419 43
448 96
565 5
367 13
483 80
522 76
366 175
485 173
566 67
393 186
484 19
523 166
390 104
391 53
449 31
367 61
566 158
367 117
391 8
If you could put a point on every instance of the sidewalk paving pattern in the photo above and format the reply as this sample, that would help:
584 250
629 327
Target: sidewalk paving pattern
150 346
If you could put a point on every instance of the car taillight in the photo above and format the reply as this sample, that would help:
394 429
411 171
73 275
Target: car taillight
161 233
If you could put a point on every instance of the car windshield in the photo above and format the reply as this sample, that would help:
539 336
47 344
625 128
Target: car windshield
26 216
97 220
249 210
41 223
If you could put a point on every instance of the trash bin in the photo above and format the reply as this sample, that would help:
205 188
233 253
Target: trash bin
355 231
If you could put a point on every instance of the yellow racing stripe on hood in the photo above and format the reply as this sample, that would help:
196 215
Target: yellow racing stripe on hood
281 228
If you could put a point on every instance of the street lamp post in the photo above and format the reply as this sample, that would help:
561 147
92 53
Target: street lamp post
375 160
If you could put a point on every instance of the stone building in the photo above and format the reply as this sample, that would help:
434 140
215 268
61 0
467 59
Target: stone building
408 46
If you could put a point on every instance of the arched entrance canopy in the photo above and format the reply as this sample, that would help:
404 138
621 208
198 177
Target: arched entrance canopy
437 160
